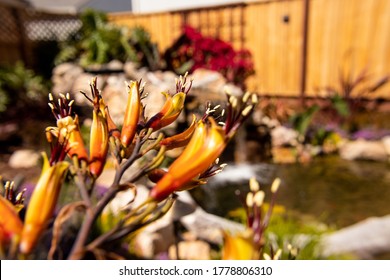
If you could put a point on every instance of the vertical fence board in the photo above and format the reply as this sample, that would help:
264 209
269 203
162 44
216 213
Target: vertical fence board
344 35
348 36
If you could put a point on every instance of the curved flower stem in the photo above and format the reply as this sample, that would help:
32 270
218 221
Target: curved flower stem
138 220
135 225
78 251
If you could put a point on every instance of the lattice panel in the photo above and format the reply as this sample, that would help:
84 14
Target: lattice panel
51 29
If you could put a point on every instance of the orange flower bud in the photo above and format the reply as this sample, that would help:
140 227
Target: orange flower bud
10 223
181 139
42 203
132 114
170 111
156 174
75 145
205 146
112 128
98 143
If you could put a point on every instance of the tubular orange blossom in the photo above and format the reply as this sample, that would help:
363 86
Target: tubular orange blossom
132 114
42 204
170 111
98 143
75 143
205 146
10 223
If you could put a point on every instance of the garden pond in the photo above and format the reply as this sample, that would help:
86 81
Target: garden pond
334 191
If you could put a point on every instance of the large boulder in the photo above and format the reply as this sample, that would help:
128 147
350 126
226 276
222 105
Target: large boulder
284 136
64 76
364 150
364 239
386 143
24 159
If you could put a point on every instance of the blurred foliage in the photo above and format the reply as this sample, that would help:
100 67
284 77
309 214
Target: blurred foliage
98 42
302 120
20 87
193 50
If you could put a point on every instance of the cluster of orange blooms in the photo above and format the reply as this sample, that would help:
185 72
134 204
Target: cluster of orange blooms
202 144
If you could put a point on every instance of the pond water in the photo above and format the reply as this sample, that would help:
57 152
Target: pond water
333 190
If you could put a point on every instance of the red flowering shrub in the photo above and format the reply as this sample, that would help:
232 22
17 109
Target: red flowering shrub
193 50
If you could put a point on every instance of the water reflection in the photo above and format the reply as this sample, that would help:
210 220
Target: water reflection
335 191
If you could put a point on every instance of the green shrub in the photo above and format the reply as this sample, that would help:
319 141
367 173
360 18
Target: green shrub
20 87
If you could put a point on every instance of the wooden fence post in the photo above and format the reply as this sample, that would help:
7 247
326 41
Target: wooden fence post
305 34
23 44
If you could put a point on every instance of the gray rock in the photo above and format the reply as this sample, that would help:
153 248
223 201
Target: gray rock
213 82
81 83
284 136
364 150
115 65
115 95
209 227
386 143
24 159
132 71
204 78
364 239
64 76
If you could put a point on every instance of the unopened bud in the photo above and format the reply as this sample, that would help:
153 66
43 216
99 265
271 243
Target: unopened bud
246 111
266 257
246 96
275 185
249 200
254 185
259 198
278 254
255 100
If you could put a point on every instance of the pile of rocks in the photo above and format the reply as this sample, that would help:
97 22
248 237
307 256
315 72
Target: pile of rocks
68 77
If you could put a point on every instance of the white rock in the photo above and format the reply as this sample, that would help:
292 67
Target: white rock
386 143
209 227
81 83
364 239
204 78
133 72
284 136
24 159
64 76
115 65
363 149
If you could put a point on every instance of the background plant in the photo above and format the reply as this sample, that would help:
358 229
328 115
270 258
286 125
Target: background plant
19 89
192 51
98 42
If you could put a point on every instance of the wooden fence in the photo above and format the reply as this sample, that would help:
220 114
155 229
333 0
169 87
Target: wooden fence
299 46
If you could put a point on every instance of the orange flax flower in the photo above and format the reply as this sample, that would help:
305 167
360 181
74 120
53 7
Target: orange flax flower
173 106
205 146
42 203
169 112
69 126
10 223
132 114
181 139
99 134
112 128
